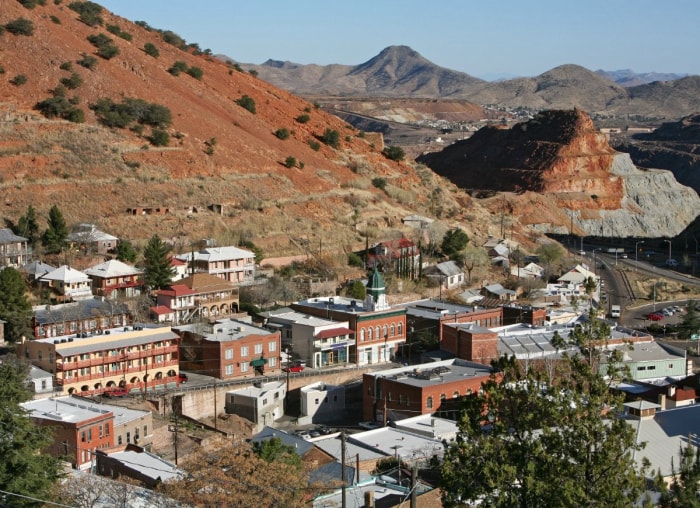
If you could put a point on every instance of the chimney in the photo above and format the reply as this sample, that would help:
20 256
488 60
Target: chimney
671 390
662 401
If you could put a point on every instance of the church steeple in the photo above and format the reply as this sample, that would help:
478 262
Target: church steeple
376 292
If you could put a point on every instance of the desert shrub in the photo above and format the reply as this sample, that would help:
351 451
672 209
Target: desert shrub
282 133
130 110
98 40
20 26
108 51
355 260
395 153
30 4
59 91
315 145
75 115
2 29
73 82
238 67
331 138
290 162
19 80
178 67
159 137
151 50
303 118
59 107
144 25
195 72
126 36
66 66
379 182
114 29
2 70
247 102
87 61
253 73
173 39
90 13
74 100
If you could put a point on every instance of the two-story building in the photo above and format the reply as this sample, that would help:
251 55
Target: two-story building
85 316
132 358
114 279
14 249
199 295
262 404
68 284
228 349
319 342
82 426
400 256
87 238
177 302
379 329
230 263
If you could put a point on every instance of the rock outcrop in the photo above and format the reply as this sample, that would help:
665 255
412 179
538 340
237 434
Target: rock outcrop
565 177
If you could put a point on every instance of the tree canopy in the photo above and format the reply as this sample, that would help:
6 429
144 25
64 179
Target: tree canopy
125 251
56 234
543 439
15 308
27 225
159 272
454 241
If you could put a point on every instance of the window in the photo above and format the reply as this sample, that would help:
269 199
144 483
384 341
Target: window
128 437
119 439
386 331
400 330
272 361
229 370
392 330
258 349
408 400
101 434
362 335
389 396
89 435
106 429
82 436
376 333
369 334
244 350
272 346
229 354
145 430
455 395
244 366
43 384
429 403
316 401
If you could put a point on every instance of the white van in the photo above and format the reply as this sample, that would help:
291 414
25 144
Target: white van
615 311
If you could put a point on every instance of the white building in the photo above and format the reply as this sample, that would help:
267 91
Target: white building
68 282
261 404
321 402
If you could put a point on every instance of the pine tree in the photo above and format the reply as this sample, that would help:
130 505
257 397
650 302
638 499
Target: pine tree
159 272
27 225
15 309
125 251
24 470
56 234
683 492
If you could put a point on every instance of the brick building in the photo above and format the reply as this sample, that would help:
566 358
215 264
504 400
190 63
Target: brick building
228 349
419 389
471 342
430 316
86 316
379 330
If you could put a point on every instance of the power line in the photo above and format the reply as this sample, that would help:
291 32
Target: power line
35 499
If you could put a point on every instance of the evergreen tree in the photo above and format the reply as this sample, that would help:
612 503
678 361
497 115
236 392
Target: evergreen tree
56 234
14 306
125 251
357 290
683 492
454 241
528 442
27 225
24 470
691 322
159 272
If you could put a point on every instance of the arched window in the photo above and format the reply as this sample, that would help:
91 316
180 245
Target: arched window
393 330
455 395
369 333
386 331
376 333
429 402
362 335
400 331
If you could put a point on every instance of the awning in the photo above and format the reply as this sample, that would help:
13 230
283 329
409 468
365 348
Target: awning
259 362
333 332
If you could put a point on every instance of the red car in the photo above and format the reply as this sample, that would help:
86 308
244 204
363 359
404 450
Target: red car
182 377
116 392
294 368
655 316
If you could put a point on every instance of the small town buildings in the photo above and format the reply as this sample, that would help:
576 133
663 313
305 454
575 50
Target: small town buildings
529 271
134 462
429 426
470 341
14 249
68 284
82 317
180 269
578 276
228 349
81 426
400 256
312 457
132 358
498 292
199 295
40 382
87 238
405 446
651 361
261 403
114 279
448 274
321 403
229 263
317 341
37 269
419 389
379 329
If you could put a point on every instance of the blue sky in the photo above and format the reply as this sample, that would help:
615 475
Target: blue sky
480 37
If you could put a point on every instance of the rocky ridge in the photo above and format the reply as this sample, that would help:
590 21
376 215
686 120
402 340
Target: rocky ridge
563 176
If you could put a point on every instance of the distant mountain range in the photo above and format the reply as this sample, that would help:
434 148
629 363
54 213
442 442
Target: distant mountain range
399 71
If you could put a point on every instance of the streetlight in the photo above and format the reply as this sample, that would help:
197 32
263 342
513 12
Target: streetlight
636 259
669 249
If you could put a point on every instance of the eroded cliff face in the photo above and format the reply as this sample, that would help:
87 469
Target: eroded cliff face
564 176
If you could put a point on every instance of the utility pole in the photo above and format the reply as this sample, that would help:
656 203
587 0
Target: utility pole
342 469
414 485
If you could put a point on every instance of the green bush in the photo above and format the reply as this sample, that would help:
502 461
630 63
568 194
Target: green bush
282 133
98 40
30 4
66 66
53 107
90 13
55 19
130 110
108 51
19 80
395 153
59 91
253 73
331 138
73 82
159 137
173 39
355 260
151 50
315 145
75 115
2 70
126 36
290 162
178 67
247 102
303 118
87 61
114 29
379 182
195 72
2 29
20 26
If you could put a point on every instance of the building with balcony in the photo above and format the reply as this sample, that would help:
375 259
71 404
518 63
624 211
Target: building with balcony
229 263
228 349
319 342
379 329
179 300
199 296
132 358
68 284
82 426
14 250
83 317
114 279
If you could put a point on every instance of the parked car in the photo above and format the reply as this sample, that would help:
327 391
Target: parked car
295 367
304 434
655 316
116 392
671 263
182 377
324 430
369 425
